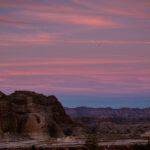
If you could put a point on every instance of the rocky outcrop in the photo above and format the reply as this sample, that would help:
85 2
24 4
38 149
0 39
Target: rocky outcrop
31 115
1 94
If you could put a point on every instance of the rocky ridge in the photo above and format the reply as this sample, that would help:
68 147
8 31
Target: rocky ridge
26 114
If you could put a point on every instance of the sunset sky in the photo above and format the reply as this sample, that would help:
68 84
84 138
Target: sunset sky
86 52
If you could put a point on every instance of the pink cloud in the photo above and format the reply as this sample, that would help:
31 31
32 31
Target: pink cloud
70 71
130 13
54 89
73 61
106 42
5 44
3 80
77 80
35 13
120 42
76 19
38 6
25 39
15 22
144 79
79 90
126 8
47 39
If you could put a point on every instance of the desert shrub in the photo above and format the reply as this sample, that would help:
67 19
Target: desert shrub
91 143
68 132
33 147
73 148
141 147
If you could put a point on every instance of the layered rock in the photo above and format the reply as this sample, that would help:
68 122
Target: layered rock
31 115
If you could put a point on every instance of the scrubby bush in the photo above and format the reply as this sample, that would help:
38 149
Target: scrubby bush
33 147
91 143
141 147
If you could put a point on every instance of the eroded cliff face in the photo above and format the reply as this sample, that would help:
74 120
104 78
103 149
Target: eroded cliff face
32 115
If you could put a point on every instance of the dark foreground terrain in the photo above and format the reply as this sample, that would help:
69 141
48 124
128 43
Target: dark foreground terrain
32 121
135 147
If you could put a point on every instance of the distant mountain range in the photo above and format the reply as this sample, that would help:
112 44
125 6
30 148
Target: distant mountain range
95 116
107 112
109 122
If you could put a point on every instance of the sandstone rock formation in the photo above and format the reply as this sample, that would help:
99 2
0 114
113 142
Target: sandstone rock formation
31 115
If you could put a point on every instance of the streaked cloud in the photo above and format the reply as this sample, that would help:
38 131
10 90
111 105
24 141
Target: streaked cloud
129 13
121 42
117 7
72 61
10 40
85 20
